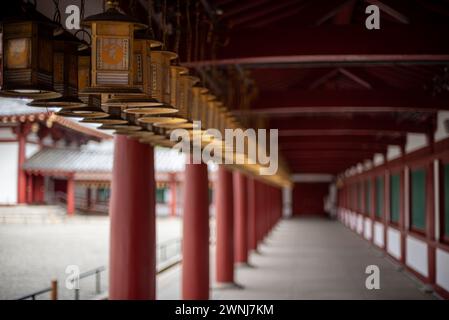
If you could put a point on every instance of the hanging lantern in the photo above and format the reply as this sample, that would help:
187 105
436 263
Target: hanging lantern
93 109
114 117
146 103
206 99
28 58
160 75
84 58
186 96
175 85
197 93
65 73
112 55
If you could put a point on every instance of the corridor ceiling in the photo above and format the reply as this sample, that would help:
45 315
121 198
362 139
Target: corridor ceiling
338 92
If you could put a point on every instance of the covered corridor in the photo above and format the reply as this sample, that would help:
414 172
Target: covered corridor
310 258
337 109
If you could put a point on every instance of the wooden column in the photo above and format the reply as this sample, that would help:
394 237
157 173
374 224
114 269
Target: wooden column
430 220
70 195
132 257
225 227
195 249
29 188
173 191
21 131
252 223
240 218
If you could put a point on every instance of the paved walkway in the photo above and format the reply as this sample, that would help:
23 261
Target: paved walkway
310 259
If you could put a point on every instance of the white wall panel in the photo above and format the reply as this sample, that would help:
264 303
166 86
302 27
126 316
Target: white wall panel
416 255
442 272
394 243
379 234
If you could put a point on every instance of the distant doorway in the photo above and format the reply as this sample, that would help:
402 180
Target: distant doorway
308 198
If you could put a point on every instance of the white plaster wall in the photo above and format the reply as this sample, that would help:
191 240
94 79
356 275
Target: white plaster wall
393 152
359 224
30 149
416 255
441 131
8 172
415 141
378 159
379 234
367 229
442 266
287 202
394 243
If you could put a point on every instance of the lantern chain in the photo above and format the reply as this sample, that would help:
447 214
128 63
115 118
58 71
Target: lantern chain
164 23
150 16
189 32
197 23
57 14
178 27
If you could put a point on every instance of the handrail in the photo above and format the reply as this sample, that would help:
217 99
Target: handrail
162 250
36 293
53 289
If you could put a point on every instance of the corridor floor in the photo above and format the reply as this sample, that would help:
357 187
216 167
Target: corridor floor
309 258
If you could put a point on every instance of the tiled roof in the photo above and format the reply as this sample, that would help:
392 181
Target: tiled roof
70 160
91 160
11 110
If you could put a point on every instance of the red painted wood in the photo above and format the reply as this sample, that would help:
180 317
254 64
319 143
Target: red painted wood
252 214
132 274
298 102
173 192
21 179
308 198
240 218
335 44
29 188
225 226
70 195
195 263
39 189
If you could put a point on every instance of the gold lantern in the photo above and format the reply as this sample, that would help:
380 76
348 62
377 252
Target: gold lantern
206 100
114 118
186 96
160 75
28 58
175 85
65 73
145 103
112 54
93 109
197 93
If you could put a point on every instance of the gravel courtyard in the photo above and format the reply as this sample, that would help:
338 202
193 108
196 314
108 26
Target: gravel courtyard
33 254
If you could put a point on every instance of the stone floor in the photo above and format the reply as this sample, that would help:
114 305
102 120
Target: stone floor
310 259
34 252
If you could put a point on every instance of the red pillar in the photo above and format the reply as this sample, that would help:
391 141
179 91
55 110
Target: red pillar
132 258
88 198
173 195
38 189
225 227
22 132
70 195
29 188
252 209
195 248
240 218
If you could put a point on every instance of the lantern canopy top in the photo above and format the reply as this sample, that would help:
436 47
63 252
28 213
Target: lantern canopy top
113 15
